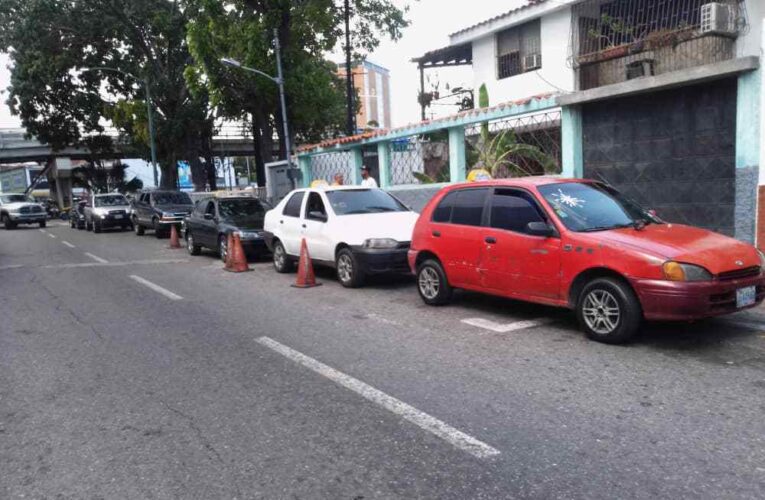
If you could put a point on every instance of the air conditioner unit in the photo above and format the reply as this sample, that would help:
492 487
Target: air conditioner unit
718 17
640 68
534 61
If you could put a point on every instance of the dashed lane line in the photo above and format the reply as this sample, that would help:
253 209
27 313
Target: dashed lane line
52 236
97 258
426 422
97 264
67 244
153 286
507 327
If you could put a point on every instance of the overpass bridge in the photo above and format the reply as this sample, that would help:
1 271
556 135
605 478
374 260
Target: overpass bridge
15 147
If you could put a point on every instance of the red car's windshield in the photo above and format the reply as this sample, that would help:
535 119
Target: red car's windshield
585 207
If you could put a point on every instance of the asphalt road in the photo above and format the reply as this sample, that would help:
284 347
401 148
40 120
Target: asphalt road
129 370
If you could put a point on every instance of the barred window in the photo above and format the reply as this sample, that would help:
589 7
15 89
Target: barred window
519 50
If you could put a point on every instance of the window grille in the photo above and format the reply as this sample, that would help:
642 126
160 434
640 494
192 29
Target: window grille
519 50
617 40
327 165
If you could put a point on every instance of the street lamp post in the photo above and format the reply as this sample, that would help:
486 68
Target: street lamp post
279 80
149 110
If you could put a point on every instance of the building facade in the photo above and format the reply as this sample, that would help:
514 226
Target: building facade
372 84
661 98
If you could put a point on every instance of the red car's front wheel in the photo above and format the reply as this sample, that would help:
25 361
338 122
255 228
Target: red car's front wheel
432 284
609 311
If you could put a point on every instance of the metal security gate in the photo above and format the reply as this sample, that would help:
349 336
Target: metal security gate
672 151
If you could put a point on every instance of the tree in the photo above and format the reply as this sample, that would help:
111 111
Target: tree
50 42
307 30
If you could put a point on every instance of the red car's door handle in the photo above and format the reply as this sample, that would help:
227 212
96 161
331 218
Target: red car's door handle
490 240
437 234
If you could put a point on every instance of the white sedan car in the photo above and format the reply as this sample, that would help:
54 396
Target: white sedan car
358 231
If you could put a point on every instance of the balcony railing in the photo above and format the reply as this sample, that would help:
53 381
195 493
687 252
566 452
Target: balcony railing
613 41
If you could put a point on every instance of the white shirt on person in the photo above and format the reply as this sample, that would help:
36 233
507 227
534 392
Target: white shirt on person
369 182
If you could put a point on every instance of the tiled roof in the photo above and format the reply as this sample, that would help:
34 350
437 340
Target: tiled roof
414 126
530 3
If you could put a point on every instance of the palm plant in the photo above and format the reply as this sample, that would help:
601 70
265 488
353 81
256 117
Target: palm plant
503 153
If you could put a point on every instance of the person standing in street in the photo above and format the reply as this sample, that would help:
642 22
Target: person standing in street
339 180
367 180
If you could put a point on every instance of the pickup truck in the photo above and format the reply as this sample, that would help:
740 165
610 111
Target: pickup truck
159 210
18 208
106 211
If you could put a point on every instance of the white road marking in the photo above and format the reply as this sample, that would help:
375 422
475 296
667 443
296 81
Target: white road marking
426 422
504 328
97 258
167 293
99 264
43 231
66 243
52 235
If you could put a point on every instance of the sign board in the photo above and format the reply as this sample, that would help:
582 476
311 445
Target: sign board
184 176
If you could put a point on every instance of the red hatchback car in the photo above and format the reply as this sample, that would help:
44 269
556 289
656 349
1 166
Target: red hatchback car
582 245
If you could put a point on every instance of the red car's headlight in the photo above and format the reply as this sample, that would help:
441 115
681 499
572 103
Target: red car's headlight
677 271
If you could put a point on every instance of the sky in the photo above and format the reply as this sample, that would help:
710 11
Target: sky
432 21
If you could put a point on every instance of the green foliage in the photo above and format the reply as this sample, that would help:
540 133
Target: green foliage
483 102
308 30
502 153
51 41
617 29
176 46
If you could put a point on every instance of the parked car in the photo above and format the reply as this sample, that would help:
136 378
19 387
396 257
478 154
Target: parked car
213 219
77 215
159 210
106 211
18 208
357 231
582 245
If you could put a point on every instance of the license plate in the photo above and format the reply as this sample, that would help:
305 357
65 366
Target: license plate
118 216
746 296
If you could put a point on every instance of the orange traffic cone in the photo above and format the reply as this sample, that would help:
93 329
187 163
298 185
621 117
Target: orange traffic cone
229 245
174 241
305 277
236 257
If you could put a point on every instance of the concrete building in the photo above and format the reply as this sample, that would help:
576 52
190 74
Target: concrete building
372 83
661 98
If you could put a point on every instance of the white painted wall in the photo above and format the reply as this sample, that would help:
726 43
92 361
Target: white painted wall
749 43
761 21
554 76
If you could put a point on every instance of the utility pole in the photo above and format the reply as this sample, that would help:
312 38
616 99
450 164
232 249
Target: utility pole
280 81
351 126
152 138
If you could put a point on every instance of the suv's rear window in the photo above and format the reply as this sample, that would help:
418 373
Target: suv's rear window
110 201
172 199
